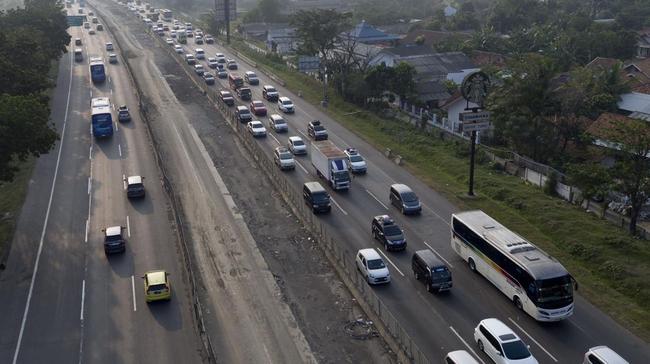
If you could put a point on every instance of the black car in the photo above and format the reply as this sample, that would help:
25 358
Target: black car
226 98
316 197
270 93
135 187
243 114
244 93
316 130
431 270
388 233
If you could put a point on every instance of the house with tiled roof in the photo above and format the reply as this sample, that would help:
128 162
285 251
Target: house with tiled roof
367 34
603 63
604 129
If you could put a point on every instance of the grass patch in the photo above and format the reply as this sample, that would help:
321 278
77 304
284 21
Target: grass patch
12 196
611 267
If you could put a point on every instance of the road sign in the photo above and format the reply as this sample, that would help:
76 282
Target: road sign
474 126
308 64
474 116
220 10
76 20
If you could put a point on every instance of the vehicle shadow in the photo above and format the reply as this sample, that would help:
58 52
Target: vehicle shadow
109 146
122 263
167 313
142 205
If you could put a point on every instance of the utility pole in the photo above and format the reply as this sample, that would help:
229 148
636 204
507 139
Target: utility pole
226 4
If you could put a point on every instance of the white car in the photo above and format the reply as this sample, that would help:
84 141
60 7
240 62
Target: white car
501 344
283 158
296 145
256 128
200 53
169 41
372 267
212 62
277 123
221 58
286 105
179 49
172 34
357 163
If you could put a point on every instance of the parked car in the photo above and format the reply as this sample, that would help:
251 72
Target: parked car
501 344
430 269
372 266
286 105
123 114
256 128
283 158
388 233
135 187
226 98
402 197
270 93
316 130
251 78
296 145
357 163
277 123
258 108
157 286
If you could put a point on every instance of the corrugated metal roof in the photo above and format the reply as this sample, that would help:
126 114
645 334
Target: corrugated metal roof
635 102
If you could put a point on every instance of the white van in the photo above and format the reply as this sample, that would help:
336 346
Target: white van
501 344
603 355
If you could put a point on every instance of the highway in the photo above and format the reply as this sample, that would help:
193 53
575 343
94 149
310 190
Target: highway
439 323
64 301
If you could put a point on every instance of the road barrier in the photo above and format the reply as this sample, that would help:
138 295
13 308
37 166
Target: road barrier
339 255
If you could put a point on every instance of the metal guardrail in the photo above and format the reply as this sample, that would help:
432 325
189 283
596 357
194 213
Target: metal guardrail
340 256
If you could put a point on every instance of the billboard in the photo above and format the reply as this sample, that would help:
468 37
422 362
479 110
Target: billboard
220 9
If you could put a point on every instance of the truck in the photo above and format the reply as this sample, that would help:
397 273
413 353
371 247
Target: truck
331 164
181 36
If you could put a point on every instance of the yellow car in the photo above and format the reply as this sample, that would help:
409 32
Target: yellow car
157 286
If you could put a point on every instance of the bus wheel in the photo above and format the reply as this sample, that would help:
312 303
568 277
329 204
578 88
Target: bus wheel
518 303
472 265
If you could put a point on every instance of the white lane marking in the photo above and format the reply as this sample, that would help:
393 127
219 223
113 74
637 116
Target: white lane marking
446 221
119 149
91 93
89 184
111 91
83 299
339 206
90 154
116 127
274 138
438 254
376 199
303 168
535 341
133 291
391 262
303 134
87 226
47 217
128 226
466 345
109 81
124 181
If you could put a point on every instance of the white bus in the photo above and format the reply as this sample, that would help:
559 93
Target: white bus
536 282
166 15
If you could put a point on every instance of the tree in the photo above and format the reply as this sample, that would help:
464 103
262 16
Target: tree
24 130
266 11
632 167
403 81
593 180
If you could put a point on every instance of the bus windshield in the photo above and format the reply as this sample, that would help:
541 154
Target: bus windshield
554 292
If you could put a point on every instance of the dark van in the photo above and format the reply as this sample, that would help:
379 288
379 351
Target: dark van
316 197
402 197
431 270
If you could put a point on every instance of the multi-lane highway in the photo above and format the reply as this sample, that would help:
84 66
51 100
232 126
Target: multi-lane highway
439 323
63 300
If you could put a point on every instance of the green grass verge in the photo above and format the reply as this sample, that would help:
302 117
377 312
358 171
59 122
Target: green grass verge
12 196
612 268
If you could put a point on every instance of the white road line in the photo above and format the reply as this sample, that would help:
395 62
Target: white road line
446 221
535 341
83 299
124 181
376 199
133 291
119 149
391 262
466 345
339 206
303 134
128 226
438 254
116 127
274 138
87 226
90 154
303 168
47 216
91 93
89 184
111 91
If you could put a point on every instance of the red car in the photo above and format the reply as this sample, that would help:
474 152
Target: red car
258 108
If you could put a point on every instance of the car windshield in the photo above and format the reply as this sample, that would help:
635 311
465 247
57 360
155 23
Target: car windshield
256 125
226 94
270 89
392 230
285 155
157 287
279 121
258 104
515 350
356 158
298 143
376 264
320 197
286 102
114 238
409 197
318 128
243 112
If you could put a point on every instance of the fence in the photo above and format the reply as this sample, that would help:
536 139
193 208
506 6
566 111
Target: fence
340 255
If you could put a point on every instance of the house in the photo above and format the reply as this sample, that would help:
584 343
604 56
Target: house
400 28
602 128
394 55
259 31
282 41
367 34
637 73
452 66
450 11
643 43
635 105
485 58
603 63
454 106
431 38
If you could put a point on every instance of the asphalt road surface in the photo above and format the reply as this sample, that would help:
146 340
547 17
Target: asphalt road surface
63 300
439 323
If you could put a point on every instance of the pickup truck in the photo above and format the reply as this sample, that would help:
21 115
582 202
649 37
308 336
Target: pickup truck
331 164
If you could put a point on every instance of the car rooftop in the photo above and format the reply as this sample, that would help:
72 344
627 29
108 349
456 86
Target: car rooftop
113 230
156 277
134 180
608 355
315 187
499 329
399 187
370 254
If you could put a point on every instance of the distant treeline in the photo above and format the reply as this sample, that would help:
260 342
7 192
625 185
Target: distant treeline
31 39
